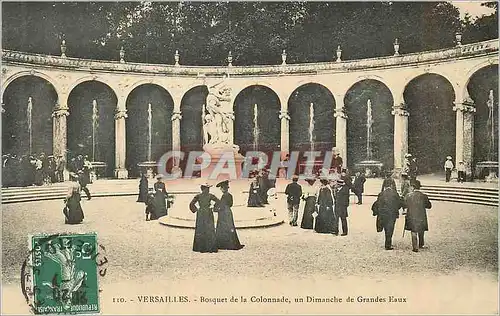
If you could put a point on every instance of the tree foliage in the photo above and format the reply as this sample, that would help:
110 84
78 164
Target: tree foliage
255 32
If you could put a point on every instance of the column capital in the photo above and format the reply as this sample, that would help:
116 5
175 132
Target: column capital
466 106
284 115
176 116
60 111
120 113
400 110
340 112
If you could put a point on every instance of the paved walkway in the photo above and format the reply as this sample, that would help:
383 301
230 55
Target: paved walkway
458 273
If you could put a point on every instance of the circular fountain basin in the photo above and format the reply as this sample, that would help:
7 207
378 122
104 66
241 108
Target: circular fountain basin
371 168
180 216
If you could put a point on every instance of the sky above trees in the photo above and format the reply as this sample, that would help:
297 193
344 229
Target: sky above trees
255 32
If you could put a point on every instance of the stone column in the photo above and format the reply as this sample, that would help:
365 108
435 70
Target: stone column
400 134
285 133
176 131
341 130
59 133
231 126
464 145
121 171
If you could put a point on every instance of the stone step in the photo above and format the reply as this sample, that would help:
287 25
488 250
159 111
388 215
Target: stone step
462 194
461 188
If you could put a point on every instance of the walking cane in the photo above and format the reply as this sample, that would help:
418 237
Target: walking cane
404 227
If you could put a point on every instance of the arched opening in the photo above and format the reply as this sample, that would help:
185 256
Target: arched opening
140 148
192 122
480 84
91 124
312 122
27 118
432 121
379 97
257 124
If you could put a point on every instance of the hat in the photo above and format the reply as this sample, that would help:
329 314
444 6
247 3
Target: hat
461 161
388 183
416 184
203 183
224 183
449 157
407 155
340 181
324 181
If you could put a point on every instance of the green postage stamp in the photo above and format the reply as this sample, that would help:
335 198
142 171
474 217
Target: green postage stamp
65 274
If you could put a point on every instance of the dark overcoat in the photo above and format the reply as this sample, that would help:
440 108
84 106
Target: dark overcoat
342 201
416 216
359 184
386 207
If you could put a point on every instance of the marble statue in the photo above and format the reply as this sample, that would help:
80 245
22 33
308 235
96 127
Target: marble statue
218 121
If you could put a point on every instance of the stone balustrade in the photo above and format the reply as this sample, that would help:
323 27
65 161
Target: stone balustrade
463 51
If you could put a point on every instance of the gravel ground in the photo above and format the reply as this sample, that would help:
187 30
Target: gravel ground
461 261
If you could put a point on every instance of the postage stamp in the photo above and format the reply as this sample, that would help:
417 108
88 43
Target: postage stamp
65 274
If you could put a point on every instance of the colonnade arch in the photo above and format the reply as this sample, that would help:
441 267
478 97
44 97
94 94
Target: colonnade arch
382 122
137 127
23 95
91 132
312 108
257 106
429 99
191 129
479 86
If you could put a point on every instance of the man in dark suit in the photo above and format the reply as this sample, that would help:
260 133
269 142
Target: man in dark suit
386 208
359 186
341 204
293 192
416 203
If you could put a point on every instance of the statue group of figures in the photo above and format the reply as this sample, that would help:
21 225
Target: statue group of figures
218 115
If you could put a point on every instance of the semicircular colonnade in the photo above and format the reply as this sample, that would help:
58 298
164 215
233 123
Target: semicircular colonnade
456 65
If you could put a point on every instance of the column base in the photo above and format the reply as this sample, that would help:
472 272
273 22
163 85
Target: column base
66 176
121 173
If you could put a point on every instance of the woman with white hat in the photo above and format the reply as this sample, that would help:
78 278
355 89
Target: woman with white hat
204 233
448 167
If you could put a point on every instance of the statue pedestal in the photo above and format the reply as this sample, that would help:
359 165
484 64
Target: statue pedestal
233 160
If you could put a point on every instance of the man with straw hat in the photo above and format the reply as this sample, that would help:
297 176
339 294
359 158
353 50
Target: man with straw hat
448 167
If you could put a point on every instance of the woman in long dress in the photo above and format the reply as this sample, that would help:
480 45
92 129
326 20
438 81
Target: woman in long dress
226 235
143 189
160 196
204 233
309 196
326 216
73 211
254 199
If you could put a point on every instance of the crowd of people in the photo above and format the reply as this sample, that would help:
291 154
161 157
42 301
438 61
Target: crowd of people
35 169
326 205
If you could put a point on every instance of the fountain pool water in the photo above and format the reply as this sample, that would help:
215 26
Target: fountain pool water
149 165
369 166
256 132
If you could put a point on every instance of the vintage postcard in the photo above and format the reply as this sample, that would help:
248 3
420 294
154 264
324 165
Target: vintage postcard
249 158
